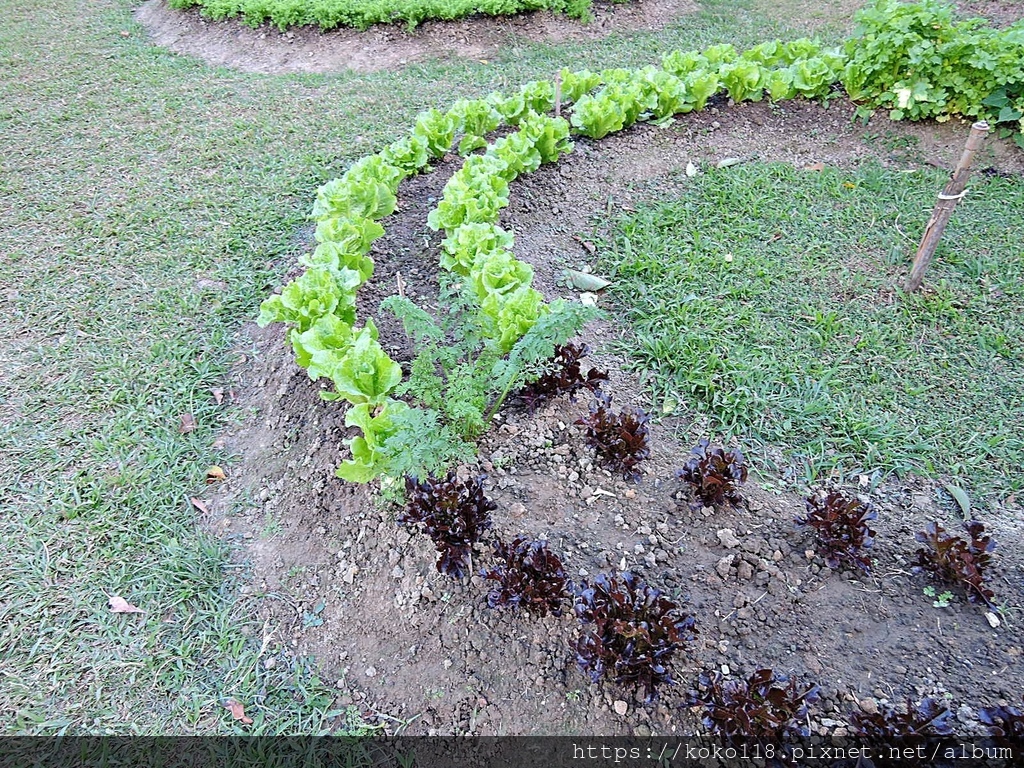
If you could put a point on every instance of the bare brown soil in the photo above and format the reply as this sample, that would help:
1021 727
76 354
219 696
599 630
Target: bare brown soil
386 46
343 582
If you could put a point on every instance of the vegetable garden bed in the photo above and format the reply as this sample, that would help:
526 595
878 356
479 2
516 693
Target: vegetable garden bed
317 542
764 592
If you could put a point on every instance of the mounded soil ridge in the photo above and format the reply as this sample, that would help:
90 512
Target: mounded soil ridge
266 49
341 581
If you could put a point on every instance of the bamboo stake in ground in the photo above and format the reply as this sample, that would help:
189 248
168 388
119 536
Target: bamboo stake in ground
944 207
558 93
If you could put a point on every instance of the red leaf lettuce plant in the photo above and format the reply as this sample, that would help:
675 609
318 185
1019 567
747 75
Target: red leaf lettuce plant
454 514
714 475
619 439
631 631
530 576
841 526
956 560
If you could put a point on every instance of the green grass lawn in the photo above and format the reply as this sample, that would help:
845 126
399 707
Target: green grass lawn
149 203
767 298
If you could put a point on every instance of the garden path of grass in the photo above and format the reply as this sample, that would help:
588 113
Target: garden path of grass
728 269
149 202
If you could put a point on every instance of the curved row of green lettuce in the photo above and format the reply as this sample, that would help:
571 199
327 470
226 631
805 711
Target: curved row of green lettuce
328 14
319 305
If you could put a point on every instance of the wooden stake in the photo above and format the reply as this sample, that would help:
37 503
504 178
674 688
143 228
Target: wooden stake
558 94
948 199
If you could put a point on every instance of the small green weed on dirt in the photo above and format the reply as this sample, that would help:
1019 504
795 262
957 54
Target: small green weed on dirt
766 297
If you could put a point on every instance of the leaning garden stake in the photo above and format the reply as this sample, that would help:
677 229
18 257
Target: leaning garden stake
948 199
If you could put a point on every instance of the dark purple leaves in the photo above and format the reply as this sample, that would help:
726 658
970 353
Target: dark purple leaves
841 526
888 728
620 439
714 475
530 576
630 631
451 513
563 376
956 560
764 709
1005 725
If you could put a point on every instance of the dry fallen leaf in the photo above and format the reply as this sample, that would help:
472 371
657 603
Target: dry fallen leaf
188 423
585 281
729 162
218 395
201 505
237 710
215 474
119 605
587 244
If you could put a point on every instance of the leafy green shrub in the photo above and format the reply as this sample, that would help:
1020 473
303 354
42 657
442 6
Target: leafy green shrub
916 61
362 14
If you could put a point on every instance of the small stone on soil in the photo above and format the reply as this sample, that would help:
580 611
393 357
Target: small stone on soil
728 538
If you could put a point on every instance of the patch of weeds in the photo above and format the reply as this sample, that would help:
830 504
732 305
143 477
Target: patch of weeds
938 600
313 617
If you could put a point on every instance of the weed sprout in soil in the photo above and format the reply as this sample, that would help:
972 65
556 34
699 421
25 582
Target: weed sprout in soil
630 633
714 475
840 524
619 439
453 514
562 377
955 560
530 576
